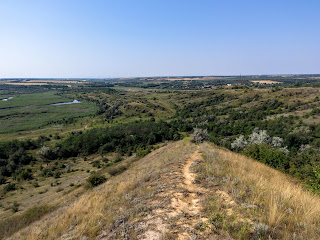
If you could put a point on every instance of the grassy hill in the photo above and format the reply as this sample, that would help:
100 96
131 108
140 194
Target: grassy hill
183 190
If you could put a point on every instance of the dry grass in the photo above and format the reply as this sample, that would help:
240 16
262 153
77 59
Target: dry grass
15 223
270 203
111 210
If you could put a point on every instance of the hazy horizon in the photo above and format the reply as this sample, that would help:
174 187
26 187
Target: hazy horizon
121 39
175 76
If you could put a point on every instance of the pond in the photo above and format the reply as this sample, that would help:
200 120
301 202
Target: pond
74 101
6 99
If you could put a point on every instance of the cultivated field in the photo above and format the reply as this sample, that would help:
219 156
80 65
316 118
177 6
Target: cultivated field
265 82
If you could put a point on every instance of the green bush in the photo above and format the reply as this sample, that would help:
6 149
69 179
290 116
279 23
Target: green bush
96 179
26 175
9 187
57 174
118 159
270 156
143 152
96 164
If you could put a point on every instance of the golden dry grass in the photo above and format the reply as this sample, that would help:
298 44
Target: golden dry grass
278 201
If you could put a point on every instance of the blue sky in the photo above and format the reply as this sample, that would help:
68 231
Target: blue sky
127 38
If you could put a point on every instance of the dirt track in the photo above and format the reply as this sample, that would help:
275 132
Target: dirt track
184 211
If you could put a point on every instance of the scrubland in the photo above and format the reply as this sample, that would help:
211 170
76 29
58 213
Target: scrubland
50 170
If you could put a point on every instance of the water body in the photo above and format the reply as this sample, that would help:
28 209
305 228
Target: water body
6 99
74 101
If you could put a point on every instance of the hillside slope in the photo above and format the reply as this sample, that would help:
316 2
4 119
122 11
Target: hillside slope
187 191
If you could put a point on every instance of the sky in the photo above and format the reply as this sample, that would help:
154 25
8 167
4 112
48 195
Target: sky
136 38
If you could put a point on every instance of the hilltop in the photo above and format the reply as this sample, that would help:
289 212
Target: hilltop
187 191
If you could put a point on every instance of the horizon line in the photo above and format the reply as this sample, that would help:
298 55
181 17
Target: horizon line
163 76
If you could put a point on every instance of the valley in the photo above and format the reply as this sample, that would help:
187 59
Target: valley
131 147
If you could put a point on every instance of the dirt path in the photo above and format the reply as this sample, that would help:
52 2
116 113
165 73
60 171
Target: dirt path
188 203
179 220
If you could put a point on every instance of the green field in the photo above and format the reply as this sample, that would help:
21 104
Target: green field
33 111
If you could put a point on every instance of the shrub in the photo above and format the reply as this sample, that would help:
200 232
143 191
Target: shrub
57 174
143 152
47 172
9 187
118 159
96 164
117 170
239 143
95 180
3 180
26 175
15 207
56 137
199 135
270 156
46 152
259 137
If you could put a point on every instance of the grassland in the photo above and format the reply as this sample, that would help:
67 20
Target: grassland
33 111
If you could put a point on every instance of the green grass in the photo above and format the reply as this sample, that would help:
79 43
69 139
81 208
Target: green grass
34 99
33 111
